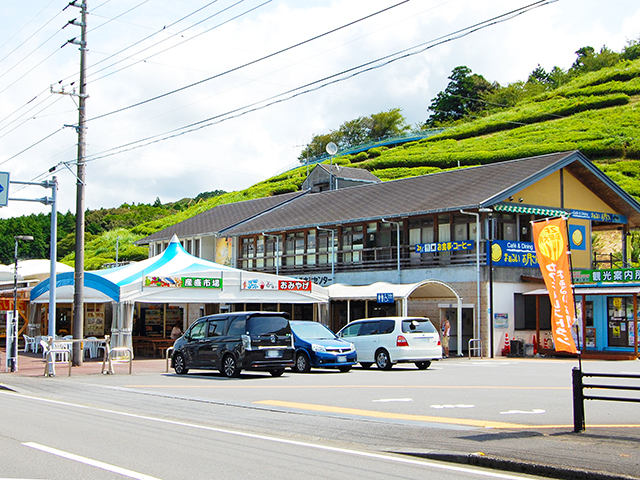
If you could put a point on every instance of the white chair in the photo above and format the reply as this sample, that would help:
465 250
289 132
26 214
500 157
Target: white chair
91 346
29 344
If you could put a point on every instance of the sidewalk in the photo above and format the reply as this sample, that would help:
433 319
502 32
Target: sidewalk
33 365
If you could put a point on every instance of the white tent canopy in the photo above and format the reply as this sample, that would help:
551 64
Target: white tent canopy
426 289
175 276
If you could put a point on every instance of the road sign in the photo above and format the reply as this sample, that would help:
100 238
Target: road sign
4 188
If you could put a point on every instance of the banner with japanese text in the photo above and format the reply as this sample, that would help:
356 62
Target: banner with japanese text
550 239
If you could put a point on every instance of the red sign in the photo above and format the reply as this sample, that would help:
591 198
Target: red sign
550 238
294 285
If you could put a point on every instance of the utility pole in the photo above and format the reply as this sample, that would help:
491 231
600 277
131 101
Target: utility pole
78 292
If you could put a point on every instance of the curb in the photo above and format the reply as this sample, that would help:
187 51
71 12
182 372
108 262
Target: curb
518 466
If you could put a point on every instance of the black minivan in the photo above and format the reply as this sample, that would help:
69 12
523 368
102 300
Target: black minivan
236 341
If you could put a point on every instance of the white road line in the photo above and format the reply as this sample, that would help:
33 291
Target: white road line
535 411
460 405
386 400
286 441
89 461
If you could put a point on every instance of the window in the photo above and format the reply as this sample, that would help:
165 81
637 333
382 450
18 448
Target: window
387 326
369 328
352 330
248 247
289 249
198 330
237 327
260 252
311 247
352 244
525 312
216 327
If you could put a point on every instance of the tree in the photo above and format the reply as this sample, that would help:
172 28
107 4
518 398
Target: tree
358 131
461 97
590 61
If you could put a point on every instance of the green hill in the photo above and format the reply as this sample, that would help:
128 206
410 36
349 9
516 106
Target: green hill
595 112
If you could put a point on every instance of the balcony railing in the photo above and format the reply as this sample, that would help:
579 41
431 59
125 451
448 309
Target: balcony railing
365 259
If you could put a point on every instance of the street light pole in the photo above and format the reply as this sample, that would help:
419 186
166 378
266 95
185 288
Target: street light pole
13 360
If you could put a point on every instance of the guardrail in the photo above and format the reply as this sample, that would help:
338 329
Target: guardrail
579 397
477 342
167 354
111 357
51 353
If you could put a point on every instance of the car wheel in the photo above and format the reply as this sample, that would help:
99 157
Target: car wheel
179 364
423 365
383 361
302 363
366 365
345 369
230 366
276 372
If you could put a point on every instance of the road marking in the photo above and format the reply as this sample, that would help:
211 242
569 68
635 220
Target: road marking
390 415
386 400
524 412
90 461
303 387
286 441
453 406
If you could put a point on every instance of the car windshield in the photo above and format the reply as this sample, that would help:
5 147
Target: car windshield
418 325
267 325
312 331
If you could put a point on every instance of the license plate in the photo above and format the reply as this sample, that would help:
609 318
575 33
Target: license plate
273 353
342 359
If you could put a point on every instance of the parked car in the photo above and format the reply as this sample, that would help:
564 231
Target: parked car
232 342
389 340
318 347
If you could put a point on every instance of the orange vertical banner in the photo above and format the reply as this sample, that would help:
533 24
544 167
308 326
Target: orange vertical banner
550 239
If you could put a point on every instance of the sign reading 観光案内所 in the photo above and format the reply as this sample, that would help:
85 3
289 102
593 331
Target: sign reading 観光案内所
615 275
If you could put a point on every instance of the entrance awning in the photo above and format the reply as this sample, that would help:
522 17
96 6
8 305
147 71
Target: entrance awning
427 289
594 290
549 212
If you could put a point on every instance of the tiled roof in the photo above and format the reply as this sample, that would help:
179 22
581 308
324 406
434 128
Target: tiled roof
440 192
219 218
349 173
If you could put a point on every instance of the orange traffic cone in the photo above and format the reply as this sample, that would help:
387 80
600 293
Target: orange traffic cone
546 345
507 348
535 345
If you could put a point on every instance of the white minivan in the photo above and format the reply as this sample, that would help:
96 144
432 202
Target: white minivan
389 340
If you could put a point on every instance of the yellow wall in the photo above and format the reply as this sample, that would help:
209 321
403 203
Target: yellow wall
547 192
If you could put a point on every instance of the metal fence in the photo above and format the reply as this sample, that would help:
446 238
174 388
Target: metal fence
579 397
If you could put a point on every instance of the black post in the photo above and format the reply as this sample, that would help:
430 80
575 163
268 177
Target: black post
578 401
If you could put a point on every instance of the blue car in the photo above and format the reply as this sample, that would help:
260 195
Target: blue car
317 346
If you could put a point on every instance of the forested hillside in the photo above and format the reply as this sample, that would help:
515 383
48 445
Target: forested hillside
592 107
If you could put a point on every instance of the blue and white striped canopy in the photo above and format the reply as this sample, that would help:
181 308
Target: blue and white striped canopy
127 283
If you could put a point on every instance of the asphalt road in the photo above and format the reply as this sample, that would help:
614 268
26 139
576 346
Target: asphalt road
317 424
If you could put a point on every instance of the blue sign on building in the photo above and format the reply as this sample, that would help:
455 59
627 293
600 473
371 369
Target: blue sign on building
599 216
445 246
385 298
510 253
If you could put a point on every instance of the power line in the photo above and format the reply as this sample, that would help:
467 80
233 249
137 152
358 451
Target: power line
163 29
295 92
25 26
249 63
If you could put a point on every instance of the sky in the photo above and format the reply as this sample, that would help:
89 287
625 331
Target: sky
194 96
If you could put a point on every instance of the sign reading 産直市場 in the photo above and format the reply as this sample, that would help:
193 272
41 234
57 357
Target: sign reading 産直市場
550 239
182 282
